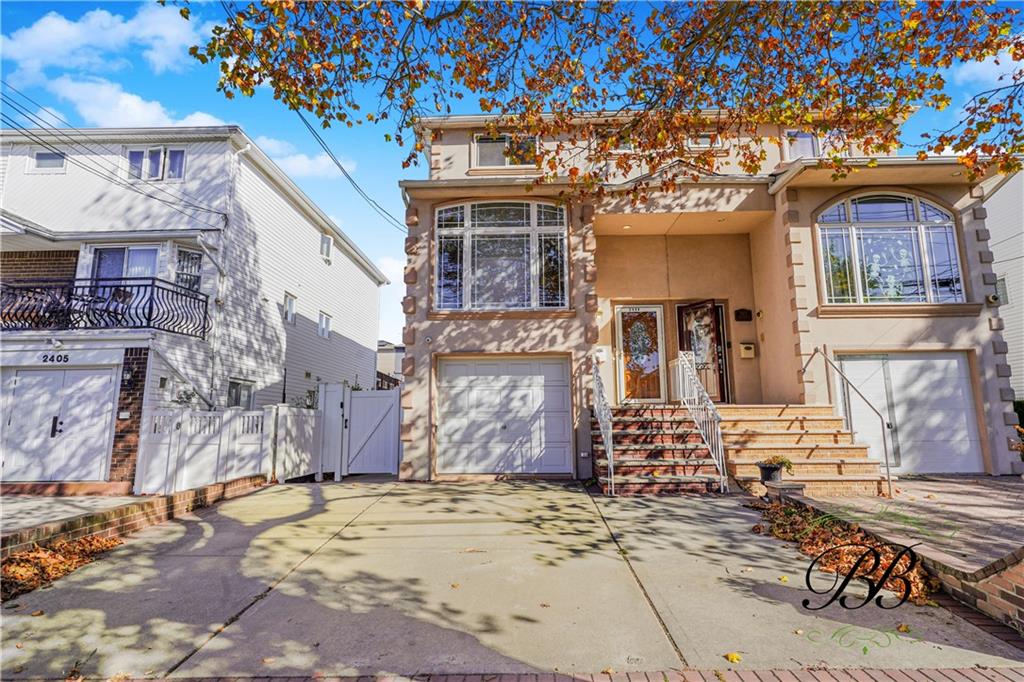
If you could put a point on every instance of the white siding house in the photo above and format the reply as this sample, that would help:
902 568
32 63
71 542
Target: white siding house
152 266
1006 224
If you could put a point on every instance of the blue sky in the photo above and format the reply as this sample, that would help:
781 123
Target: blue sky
126 64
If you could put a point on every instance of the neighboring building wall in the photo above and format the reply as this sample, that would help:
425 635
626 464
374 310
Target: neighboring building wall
667 271
569 333
1005 223
955 327
39 266
272 248
128 418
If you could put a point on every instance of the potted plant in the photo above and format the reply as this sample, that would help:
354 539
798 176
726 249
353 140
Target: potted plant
771 468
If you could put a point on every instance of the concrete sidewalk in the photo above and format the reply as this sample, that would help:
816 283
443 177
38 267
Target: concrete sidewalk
366 579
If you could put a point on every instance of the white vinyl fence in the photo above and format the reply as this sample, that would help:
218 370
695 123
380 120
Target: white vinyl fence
181 449
360 431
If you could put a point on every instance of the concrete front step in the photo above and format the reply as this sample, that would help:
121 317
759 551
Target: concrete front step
731 411
751 437
794 452
817 467
734 423
823 486
660 485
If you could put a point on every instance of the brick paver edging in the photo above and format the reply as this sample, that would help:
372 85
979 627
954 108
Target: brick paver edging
126 518
806 675
995 592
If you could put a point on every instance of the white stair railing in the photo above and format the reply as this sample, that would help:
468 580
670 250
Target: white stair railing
603 412
687 388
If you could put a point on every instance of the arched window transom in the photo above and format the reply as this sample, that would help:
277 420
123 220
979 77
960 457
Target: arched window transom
889 248
501 255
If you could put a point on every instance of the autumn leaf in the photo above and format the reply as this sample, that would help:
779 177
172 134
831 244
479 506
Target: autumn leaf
903 627
454 586
40 612
783 578
732 657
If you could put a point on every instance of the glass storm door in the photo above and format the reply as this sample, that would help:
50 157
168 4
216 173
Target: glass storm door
641 356
700 331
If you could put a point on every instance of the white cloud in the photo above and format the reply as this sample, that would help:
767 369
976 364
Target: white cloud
986 73
106 104
100 40
299 165
392 319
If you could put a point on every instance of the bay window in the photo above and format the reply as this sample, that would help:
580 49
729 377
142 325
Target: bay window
501 255
889 249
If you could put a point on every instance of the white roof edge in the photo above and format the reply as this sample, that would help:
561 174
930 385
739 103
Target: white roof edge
795 168
238 137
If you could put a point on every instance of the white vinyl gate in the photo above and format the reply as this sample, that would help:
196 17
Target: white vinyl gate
360 430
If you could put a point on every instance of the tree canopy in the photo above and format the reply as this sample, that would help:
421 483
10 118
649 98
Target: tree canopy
638 82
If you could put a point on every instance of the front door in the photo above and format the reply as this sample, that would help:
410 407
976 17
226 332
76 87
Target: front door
640 356
701 331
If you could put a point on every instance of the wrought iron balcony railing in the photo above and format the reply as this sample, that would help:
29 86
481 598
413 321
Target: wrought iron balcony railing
121 303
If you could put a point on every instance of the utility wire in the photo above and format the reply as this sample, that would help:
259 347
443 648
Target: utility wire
383 212
38 121
1006 239
10 122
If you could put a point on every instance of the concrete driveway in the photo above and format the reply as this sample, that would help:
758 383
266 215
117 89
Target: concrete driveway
362 579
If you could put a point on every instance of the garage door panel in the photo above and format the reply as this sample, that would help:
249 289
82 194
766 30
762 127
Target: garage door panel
929 398
500 416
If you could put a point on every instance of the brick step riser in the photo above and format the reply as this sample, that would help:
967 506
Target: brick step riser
837 488
795 411
646 453
647 424
638 489
787 438
773 426
655 438
809 469
740 453
650 412
659 469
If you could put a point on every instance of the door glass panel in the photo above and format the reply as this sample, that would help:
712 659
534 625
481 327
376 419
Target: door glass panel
701 336
641 355
141 263
109 263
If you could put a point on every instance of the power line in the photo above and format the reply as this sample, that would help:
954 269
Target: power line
1006 239
383 212
7 120
37 120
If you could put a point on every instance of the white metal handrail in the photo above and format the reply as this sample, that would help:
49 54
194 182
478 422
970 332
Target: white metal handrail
886 424
688 389
603 412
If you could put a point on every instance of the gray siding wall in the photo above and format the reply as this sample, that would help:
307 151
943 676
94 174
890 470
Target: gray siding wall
1006 224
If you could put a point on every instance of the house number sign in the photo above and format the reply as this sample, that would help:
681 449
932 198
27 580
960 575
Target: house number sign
55 358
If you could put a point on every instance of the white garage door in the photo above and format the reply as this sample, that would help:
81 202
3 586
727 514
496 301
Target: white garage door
58 425
928 397
504 416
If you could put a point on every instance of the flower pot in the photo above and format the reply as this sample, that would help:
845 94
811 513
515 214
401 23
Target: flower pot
770 472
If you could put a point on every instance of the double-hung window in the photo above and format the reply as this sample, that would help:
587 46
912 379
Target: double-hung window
502 255
156 163
323 327
802 144
889 249
502 150
188 271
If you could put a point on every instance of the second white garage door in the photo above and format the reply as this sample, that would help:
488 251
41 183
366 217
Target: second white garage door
504 416
928 398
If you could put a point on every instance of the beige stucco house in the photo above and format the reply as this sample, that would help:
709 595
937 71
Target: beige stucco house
513 293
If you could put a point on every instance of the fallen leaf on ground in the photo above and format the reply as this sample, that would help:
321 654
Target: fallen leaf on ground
746 569
545 605
454 586
733 657
798 632
36 568
38 613
474 550
783 578
903 627
268 661
608 671
18 645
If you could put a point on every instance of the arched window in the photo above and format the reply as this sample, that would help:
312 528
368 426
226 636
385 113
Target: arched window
889 248
501 255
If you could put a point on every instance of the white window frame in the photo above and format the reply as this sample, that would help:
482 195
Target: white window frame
326 247
788 136
919 225
717 145
143 246
508 140
162 174
468 232
288 308
323 326
33 166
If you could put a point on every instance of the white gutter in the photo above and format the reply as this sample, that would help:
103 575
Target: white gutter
797 167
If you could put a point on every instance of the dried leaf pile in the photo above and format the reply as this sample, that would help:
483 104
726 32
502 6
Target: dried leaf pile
31 569
817 533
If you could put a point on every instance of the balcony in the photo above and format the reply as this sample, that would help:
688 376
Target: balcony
122 303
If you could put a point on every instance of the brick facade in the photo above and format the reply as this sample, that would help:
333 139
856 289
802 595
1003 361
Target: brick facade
125 453
24 266
997 593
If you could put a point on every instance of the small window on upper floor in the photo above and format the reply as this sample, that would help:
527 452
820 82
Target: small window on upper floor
49 161
323 328
704 140
240 394
289 308
802 144
188 271
495 151
1002 292
326 245
156 163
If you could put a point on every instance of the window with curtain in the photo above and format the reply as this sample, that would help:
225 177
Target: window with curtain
501 255
889 249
